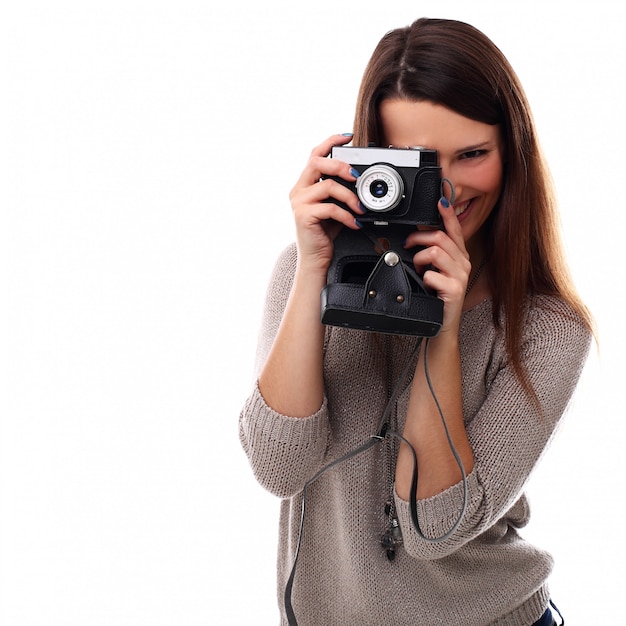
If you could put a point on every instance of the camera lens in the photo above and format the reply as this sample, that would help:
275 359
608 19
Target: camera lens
380 188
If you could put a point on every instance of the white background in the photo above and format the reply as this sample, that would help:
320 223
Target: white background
149 148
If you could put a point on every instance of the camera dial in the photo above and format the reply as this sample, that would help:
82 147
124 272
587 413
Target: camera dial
380 188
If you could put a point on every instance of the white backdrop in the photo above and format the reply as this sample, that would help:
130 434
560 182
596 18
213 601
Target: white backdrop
149 150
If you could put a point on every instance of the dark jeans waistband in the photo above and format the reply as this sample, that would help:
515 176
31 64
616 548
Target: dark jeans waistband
547 619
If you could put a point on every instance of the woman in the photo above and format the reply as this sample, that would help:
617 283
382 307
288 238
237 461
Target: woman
499 374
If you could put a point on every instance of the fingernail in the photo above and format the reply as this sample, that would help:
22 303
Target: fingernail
354 172
347 134
444 202
359 224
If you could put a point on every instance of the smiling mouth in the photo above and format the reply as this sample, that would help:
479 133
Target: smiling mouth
459 209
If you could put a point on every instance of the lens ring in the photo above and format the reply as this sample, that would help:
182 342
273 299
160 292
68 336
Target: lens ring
380 188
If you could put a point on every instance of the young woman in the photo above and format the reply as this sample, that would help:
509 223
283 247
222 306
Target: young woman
468 412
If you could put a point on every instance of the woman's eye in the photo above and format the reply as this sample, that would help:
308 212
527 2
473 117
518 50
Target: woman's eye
473 154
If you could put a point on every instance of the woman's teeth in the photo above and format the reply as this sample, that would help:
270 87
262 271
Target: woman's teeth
461 208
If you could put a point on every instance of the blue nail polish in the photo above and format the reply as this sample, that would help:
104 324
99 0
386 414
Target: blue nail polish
358 223
354 172
444 202
347 134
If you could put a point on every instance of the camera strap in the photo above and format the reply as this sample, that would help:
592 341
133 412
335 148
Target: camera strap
384 431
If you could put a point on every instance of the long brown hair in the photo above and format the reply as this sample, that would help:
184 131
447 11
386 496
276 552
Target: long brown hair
455 65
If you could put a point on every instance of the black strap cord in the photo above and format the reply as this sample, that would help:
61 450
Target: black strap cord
373 440
384 431
413 495
291 616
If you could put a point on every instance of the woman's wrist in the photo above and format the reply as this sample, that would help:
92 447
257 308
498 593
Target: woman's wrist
446 341
313 272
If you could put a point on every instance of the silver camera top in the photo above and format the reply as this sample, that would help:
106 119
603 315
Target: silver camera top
400 157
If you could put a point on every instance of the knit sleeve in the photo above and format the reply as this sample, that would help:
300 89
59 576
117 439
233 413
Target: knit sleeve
283 451
508 433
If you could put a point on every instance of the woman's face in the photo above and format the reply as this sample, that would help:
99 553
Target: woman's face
470 153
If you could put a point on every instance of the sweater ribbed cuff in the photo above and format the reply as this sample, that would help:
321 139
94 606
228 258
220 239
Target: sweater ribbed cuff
262 424
437 515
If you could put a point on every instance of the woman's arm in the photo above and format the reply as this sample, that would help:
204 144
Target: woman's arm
283 452
291 381
438 469
283 426
509 430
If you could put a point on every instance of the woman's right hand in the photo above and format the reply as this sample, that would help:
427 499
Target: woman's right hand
317 220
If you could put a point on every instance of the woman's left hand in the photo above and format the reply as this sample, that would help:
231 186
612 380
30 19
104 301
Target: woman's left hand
446 264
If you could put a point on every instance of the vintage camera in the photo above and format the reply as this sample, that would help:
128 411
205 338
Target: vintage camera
396 186
372 283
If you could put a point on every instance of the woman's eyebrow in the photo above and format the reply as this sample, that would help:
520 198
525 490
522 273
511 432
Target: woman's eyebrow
476 146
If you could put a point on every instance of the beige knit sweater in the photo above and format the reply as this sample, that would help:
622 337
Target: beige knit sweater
485 573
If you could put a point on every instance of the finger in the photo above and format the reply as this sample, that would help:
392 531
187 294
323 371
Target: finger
319 168
319 164
437 258
451 223
446 287
442 255
437 239
325 190
334 140
311 214
319 180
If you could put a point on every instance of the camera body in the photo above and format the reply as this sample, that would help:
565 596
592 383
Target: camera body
396 185
372 284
